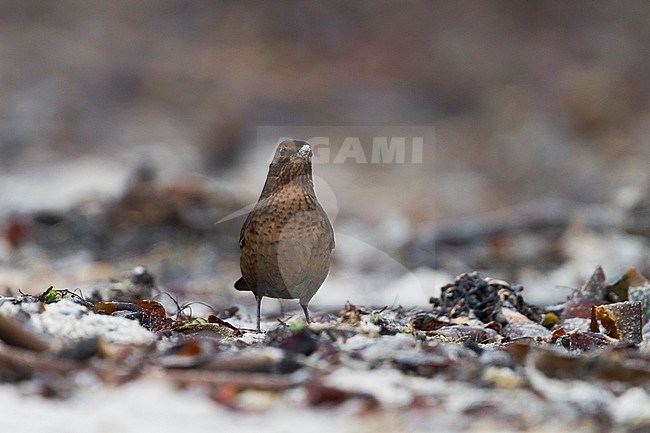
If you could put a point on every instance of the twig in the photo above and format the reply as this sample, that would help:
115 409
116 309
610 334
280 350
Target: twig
13 334
27 362
262 382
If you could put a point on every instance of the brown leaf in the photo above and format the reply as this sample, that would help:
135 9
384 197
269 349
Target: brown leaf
621 287
320 394
579 340
154 317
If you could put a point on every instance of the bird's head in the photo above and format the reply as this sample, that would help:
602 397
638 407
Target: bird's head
291 151
292 159
291 164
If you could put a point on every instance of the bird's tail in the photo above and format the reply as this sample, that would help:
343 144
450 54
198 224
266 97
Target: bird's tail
241 285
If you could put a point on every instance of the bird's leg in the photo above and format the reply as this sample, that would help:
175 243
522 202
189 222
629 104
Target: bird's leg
306 310
259 312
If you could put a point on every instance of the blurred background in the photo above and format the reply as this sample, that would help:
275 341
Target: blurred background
128 129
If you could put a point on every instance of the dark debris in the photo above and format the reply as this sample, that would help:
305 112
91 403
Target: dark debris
480 332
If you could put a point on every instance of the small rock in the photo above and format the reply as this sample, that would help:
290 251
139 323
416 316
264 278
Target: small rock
502 377
641 294
621 320
525 330
594 288
468 333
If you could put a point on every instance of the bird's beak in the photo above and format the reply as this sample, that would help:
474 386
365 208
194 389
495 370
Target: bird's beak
305 152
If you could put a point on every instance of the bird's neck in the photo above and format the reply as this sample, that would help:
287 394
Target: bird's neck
281 176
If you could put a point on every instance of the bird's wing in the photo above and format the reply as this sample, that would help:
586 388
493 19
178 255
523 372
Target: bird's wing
331 233
259 207
242 232
328 225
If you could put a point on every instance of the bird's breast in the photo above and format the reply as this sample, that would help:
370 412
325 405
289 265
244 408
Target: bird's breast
287 212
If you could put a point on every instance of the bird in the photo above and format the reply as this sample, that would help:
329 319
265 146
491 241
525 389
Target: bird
287 239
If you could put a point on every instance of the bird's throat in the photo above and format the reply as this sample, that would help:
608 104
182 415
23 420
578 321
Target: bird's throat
295 173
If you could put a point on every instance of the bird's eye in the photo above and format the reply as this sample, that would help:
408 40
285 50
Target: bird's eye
283 151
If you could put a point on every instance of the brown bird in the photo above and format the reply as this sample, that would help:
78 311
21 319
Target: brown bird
287 238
